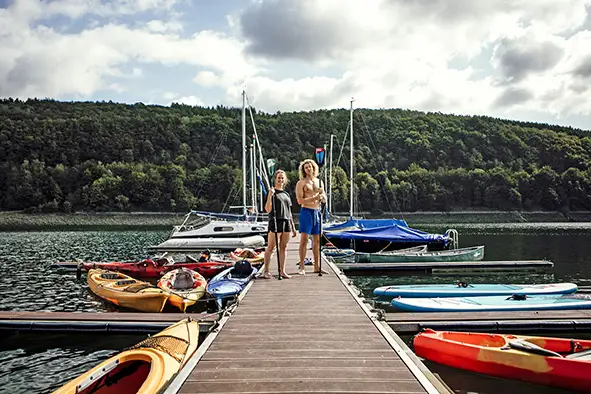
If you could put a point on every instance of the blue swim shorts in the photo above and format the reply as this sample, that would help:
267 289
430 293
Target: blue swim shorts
310 221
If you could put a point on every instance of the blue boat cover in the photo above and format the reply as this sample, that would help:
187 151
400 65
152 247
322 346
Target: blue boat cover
366 223
393 233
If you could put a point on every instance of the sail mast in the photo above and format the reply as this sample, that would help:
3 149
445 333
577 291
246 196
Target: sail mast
330 177
244 211
351 165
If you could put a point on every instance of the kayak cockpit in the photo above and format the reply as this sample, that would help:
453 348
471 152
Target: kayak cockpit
116 377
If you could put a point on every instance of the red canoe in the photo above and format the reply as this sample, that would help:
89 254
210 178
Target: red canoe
156 268
556 362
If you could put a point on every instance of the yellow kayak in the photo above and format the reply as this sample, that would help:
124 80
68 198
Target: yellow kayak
125 291
143 368
185 287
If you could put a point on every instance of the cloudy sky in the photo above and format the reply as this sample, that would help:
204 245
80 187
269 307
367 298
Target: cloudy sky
517 59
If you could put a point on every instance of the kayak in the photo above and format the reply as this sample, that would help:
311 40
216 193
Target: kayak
144 368
464 289
185 287
156 268
514 302
559 362
418 254
252 255
230 282
124 291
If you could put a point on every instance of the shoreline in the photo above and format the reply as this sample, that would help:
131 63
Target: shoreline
15 221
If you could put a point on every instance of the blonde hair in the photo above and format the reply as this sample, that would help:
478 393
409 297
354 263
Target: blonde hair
301 171
277 173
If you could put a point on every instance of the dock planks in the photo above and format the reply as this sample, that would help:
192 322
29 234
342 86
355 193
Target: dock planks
305 334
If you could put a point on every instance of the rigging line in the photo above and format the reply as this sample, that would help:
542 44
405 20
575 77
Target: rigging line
383 169
260 151
229 196
212 159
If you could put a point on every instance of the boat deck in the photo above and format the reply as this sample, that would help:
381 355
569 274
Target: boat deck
305 334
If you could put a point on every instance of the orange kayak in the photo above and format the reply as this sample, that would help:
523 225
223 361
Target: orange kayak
559 362
125 291
144 368
251 255
185 287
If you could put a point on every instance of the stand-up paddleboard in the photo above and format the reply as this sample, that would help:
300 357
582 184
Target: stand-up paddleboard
464 289
493 303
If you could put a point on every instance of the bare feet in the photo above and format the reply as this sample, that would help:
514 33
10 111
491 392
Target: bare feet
285 276
267 275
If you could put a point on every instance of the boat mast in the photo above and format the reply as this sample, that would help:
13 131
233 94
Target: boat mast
253 191
330 177
351 164
244 211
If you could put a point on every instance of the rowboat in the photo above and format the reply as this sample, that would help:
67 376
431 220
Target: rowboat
559 362
420 253
185 287
464 289
124 291
514 302
144 368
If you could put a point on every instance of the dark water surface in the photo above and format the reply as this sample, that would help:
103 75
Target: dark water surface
39 363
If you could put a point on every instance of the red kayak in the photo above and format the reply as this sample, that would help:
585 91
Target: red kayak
156 268
559 362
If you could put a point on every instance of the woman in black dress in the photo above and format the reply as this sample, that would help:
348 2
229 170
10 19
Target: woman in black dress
280 223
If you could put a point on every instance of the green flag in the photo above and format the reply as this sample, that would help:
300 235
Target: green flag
271 165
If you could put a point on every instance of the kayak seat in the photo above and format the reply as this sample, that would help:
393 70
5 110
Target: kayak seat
125 282
529 347
183 280
584 355
242 269
110 276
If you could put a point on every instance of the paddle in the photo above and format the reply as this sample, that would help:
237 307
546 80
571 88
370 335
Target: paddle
320 156
271 165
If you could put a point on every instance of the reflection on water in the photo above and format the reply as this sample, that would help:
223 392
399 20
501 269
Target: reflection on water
30 283
41 363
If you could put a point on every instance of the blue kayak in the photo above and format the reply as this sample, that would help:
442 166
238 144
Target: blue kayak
230 282
462 289
493 303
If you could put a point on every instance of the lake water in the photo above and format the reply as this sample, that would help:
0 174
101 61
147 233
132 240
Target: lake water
39 363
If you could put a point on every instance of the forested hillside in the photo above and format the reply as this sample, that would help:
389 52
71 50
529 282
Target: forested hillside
58 156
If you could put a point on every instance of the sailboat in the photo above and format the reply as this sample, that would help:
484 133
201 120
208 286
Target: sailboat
202 230
377 235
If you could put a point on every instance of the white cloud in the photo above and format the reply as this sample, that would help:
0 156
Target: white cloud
399 53
495 57
188 100
38 61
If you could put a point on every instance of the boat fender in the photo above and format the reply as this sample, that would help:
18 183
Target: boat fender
517 297
532 348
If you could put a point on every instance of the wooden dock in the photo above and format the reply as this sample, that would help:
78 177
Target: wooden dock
98 322
464 267
305 334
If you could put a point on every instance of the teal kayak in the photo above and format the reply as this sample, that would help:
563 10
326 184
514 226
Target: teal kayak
493 303
463 289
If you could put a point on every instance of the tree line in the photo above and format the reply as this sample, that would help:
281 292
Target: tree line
103 156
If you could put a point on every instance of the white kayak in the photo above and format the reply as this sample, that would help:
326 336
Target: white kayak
494 303
464 289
